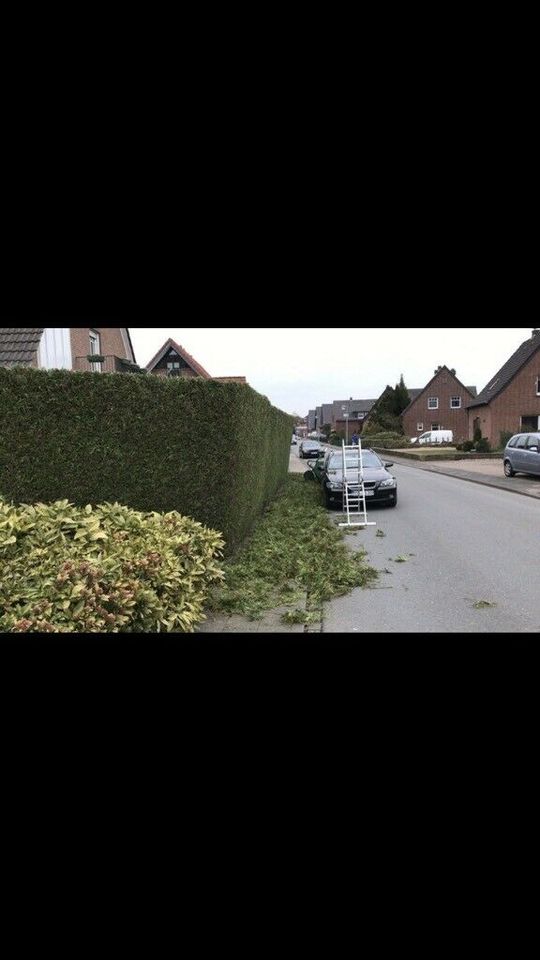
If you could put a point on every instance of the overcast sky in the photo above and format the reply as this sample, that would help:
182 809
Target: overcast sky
300 368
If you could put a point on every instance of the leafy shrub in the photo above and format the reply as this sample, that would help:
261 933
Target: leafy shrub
386 441
505 436
213 451
483 445
105 569
383 423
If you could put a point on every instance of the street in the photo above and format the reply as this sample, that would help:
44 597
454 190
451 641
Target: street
463 544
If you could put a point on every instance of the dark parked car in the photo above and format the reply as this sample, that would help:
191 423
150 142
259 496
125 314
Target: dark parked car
379 485
522 454
310 449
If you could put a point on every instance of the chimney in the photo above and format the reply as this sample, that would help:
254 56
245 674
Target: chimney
535 332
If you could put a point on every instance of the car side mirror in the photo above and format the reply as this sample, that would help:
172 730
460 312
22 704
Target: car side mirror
387 464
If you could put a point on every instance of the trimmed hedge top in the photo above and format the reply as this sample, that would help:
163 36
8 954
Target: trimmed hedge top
213 451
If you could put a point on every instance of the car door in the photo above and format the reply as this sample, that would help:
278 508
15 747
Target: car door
531 455
519 455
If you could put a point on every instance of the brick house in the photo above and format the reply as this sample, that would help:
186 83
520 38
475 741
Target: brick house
441 405
173 360
68 348
510 403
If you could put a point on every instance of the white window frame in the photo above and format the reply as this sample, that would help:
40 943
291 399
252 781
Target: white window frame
94 337
431 401
455 406
538 386
420 427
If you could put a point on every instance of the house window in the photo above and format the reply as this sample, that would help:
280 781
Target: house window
95 350
433 403
538 386
435 426
455 403
530 423
420 427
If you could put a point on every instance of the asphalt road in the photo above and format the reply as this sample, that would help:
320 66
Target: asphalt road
464 543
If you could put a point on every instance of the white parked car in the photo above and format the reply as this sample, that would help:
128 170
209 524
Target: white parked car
434 436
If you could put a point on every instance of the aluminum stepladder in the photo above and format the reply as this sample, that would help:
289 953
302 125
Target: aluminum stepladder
354 500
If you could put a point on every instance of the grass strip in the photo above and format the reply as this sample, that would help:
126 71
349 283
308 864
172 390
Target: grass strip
294 550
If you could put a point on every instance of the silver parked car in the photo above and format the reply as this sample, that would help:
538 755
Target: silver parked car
522 454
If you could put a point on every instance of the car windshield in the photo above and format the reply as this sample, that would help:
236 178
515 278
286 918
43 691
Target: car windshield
369 459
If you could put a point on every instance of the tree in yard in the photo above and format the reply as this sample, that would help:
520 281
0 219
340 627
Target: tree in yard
386 417
401 397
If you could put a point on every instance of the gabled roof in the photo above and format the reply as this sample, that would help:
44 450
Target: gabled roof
502 378
18 345
196 367
471 390
363 406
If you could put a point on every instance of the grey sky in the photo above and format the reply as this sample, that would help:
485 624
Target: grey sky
298 369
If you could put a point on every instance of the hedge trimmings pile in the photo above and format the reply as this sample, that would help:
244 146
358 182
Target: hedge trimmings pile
103 569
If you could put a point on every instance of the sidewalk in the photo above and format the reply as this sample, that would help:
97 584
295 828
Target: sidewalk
488 472
271 621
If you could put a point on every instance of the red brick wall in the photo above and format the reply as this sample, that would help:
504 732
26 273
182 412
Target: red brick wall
111 341
517 400
444 387
483 414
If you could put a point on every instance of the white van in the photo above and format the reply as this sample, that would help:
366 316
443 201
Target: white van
434 436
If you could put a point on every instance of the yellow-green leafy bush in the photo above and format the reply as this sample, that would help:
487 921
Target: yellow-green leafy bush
103 569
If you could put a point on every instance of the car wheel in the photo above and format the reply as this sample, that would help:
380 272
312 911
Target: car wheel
508 469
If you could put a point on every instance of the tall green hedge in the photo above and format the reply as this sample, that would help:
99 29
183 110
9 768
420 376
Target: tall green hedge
213 451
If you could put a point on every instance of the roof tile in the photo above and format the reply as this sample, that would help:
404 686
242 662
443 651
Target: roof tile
18 345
